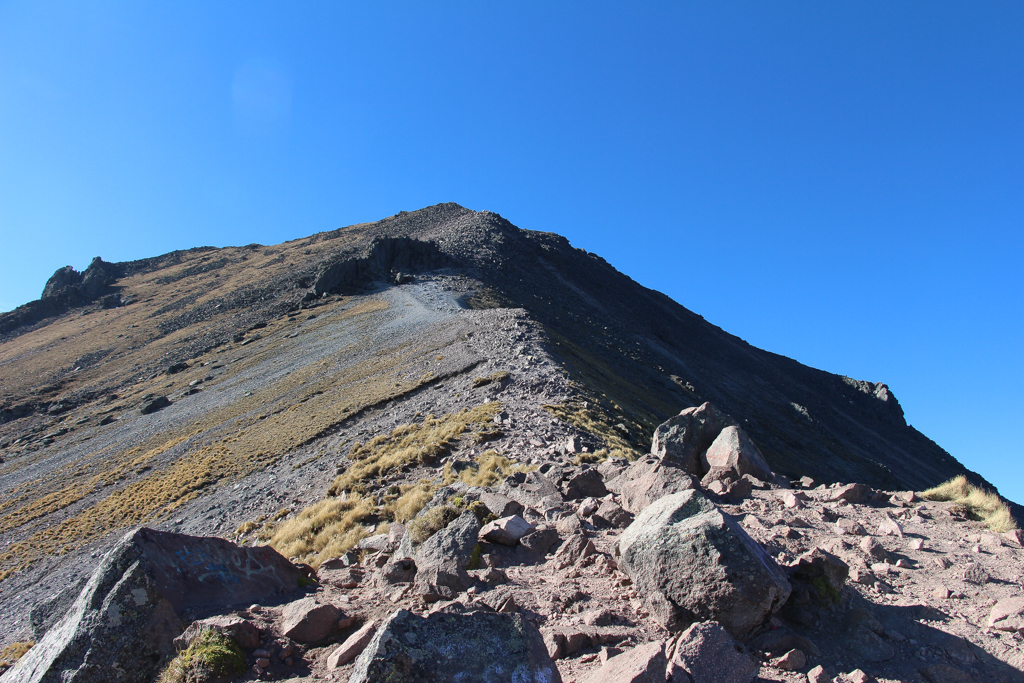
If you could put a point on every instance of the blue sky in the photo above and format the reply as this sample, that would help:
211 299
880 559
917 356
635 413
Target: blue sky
840 182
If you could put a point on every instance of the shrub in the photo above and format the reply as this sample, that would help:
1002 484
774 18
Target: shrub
979 504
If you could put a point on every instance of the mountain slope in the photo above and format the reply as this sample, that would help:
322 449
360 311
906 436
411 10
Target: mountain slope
276 362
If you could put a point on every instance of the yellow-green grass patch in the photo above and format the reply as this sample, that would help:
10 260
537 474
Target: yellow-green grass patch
982 505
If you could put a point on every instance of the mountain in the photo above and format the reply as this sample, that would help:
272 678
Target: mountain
206 388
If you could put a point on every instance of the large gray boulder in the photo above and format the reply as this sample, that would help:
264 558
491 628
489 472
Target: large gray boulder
683 439
442 559
692 563
647 480
481 646
121 627
732 451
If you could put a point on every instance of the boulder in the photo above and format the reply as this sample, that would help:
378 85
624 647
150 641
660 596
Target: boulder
442 559
499 505
613 515
683 439
647 480
308 621
574 549
506 531
539 541
153 404
584 484
612 467
732 450
643 664
397 570
851 493
479 646
692 563
707 653
818 563
243 632
122 625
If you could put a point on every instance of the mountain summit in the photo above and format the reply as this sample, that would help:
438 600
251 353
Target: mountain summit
205 389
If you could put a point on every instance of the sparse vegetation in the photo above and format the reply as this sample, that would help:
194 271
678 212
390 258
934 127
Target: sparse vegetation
979 504
432 521
323 530
211 655
490 467
408 444
600 455
499 376
246 528
14 652
408 501
590 418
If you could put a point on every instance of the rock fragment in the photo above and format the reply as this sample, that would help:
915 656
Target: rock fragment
1007 615
643 664
707 653
352 647
307 621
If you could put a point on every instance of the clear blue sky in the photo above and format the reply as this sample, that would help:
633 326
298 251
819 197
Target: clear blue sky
839 182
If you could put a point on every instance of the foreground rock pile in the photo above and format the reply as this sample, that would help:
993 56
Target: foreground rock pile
693 564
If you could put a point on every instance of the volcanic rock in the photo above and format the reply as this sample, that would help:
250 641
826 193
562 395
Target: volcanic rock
130 610
479 646
692 563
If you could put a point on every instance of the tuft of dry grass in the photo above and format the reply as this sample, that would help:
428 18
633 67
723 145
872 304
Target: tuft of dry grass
245 528
411 498
15 651
432 521
323 530
491 467
407 444
600 455
980 504
499 376
592 419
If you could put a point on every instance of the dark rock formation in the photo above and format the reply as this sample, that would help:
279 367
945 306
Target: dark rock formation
123 624
479 646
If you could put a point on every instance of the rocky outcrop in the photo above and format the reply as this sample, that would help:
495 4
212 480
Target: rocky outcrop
122 626
683 439
690 562
394 259
454 647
